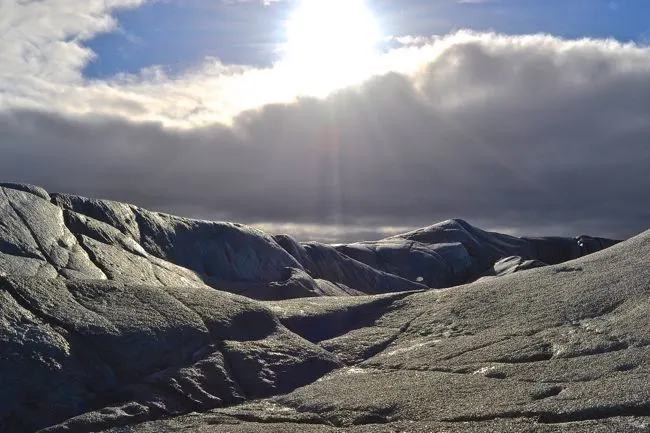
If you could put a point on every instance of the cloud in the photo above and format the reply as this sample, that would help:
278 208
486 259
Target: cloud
531 134
43 38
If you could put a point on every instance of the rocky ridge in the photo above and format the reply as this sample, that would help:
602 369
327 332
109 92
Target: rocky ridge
73 238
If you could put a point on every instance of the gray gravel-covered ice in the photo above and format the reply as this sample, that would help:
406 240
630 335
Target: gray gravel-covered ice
69 237
117 319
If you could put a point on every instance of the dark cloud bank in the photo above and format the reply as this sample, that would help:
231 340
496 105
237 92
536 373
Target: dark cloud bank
534 137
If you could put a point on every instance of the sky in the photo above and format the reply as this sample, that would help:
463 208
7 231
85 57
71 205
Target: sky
337 120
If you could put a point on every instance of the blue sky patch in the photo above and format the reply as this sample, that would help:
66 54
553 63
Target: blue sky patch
179 35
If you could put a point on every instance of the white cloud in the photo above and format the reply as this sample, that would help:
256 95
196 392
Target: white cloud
44 56
527 132
42 39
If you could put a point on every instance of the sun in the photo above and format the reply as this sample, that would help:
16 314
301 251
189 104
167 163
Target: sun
331 36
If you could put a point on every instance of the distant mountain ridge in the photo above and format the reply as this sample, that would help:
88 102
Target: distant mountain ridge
71 237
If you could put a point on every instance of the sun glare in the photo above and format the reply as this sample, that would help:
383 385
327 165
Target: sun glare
332 39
